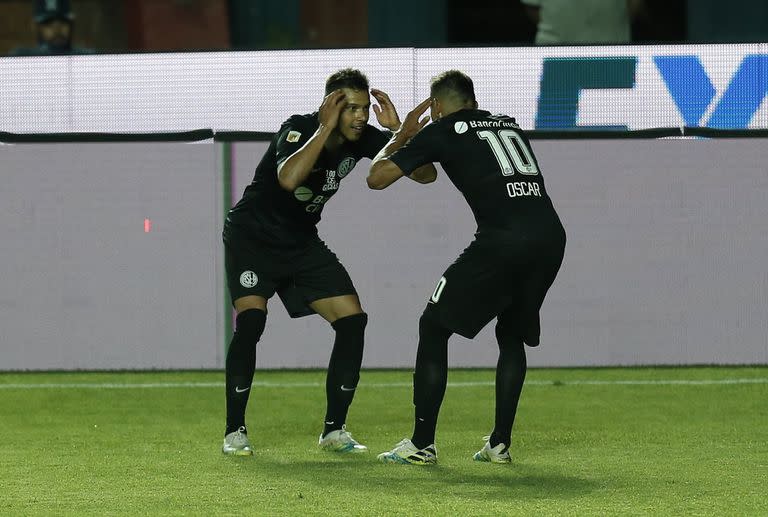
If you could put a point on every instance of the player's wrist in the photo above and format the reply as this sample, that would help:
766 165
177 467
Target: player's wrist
401 137
325 129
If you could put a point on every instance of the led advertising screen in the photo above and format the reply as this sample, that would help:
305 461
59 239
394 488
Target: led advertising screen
614 87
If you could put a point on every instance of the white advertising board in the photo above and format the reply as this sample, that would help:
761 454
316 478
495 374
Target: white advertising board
632 87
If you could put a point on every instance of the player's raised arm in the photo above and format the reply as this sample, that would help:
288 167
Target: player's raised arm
296 168
384 171
424 174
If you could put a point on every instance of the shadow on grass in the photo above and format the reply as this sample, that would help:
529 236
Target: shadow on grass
470 480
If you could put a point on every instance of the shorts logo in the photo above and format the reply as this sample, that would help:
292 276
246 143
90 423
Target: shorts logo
303 194
460 127
249 279
346 165
293 136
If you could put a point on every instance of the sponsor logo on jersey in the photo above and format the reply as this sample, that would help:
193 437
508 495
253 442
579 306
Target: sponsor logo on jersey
249 279
293 136
460 127
492 123
303 194
316 204
346 165
330 181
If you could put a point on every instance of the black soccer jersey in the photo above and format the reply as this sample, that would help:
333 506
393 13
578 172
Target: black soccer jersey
269 214
489 159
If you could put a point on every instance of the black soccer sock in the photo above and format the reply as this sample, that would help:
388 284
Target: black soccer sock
344 369
241 364
510 376
429 380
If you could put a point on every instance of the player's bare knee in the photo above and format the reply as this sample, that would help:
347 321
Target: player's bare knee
337 307
250 302
352 323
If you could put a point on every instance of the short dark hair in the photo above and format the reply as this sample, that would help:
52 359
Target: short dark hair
454 83
346 78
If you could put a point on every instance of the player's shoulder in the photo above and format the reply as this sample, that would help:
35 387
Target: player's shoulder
501 117
307 120
479 120
459 121
297 126
478 114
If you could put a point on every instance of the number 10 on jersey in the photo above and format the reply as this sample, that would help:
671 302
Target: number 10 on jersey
510 151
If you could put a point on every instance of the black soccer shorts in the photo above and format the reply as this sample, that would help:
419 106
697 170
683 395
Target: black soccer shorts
299 276
498 276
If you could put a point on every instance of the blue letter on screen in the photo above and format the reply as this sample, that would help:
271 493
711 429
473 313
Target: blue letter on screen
562 79
744 95
693 92
688 84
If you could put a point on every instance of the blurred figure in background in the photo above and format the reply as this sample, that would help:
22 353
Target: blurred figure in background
54 24
584 21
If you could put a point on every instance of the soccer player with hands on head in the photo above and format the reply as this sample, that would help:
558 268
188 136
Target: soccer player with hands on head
272 246
503 274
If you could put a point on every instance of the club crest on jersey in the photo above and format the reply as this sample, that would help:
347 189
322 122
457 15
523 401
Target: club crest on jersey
346 165
249 279
293 136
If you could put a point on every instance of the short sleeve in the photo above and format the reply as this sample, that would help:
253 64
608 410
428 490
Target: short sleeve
421 150
293 134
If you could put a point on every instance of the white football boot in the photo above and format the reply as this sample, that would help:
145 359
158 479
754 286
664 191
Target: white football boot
488 454
236 443
407 453
340 440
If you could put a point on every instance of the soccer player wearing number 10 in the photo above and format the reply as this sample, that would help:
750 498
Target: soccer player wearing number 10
504 273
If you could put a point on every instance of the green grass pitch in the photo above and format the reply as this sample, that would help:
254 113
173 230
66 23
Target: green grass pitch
619 441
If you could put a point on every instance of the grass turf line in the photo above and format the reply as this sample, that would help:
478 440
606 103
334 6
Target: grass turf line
578 449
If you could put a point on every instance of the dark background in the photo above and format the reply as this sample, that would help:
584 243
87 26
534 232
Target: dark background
161 25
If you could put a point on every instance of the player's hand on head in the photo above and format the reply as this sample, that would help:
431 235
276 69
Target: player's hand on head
385 111
413 122
330 109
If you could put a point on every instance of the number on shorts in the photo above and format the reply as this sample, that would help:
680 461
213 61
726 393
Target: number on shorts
510 151
438 290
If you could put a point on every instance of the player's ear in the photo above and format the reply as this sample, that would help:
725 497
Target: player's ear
435 110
